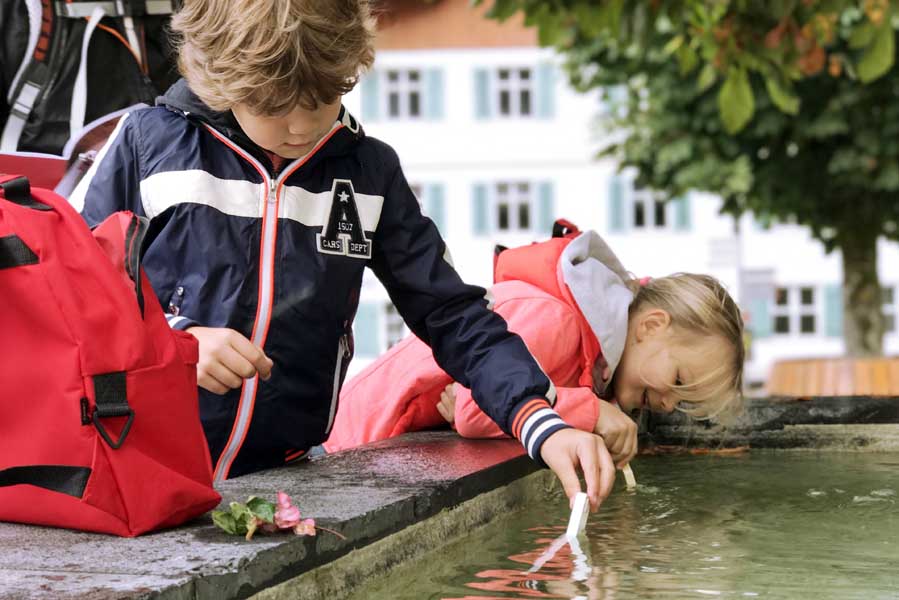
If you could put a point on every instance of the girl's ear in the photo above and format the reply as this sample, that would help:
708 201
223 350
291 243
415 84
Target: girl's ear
652 322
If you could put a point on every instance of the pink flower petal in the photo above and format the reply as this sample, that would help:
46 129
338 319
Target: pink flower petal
287 517
305 527
283 500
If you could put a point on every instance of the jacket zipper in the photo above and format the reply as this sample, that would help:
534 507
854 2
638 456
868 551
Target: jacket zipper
260 327
343 353
265 298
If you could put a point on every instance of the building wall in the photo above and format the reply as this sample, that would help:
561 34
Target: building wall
415 24
459 147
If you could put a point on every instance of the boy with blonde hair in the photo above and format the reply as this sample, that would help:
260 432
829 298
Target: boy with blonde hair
266 200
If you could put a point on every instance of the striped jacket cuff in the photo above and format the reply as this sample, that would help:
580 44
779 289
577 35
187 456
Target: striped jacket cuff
180 323
533 423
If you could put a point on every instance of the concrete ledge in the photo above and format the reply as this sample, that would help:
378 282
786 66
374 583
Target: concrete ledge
836 423
366 494
343 576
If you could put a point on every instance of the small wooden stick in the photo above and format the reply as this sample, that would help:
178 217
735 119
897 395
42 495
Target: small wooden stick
629 478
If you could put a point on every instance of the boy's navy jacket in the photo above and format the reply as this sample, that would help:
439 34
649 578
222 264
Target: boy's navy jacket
280 259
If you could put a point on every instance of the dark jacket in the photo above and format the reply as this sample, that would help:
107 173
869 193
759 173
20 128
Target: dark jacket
280 259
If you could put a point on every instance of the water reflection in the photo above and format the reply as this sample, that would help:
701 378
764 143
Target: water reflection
772 525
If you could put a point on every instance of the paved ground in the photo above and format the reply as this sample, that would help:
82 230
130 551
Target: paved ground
365 494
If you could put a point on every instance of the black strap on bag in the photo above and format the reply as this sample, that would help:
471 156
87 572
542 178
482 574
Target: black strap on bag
18 191
111 395
15 253
56 478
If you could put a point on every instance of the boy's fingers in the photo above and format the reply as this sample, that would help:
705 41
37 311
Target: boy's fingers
207 382
224 376
261 363
568 478
236 362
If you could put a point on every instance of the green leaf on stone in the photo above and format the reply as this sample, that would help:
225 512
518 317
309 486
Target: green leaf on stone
262 509
225 520
878 57
240 511
736 103
784 99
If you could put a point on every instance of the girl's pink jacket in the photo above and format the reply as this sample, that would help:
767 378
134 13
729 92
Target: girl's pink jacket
561 316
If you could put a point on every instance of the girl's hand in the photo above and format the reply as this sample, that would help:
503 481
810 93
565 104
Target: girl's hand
227 358
618 431
447 405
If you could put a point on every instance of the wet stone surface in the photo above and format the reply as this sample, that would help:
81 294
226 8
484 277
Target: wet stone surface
839 423
365 494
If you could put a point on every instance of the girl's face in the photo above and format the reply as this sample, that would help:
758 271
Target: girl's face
655 359
290 135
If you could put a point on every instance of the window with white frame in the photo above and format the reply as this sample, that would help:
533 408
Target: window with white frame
514 95
513 206
795 310
648 211
807 310
403 92
781 311
889 308
394 326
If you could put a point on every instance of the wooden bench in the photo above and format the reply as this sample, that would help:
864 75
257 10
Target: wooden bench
815 377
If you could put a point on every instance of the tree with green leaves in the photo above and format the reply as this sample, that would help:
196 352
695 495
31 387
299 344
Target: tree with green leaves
787 108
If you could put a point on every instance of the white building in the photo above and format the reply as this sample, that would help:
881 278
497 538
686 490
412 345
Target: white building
497 145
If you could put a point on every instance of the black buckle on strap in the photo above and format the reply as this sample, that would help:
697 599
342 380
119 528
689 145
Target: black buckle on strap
115 445
112 401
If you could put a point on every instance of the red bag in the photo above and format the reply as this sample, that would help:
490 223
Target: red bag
101 429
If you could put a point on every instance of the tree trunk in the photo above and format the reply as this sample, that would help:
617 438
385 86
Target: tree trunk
863 322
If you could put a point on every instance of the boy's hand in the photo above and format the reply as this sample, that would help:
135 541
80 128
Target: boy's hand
447 405
567 449
227 358
618 431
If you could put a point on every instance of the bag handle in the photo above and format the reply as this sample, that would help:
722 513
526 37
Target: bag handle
18 190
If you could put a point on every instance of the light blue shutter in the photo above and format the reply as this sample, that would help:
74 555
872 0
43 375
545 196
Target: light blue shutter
371 97
367 330
759 319
546 209
616 204
480 217
436 206
481 94
546 90
434 94
682 213
833 311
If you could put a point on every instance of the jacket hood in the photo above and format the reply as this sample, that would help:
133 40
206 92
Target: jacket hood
596 279
181 98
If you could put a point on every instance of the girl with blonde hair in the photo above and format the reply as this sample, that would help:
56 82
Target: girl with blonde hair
612 345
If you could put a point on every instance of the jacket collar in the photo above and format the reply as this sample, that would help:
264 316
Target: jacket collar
181 99
597 283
